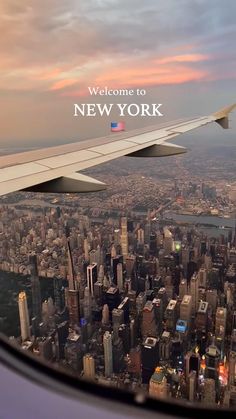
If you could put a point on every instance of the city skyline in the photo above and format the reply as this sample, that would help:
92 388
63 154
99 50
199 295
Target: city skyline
70 243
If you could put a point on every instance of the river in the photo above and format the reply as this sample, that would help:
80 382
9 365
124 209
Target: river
210 224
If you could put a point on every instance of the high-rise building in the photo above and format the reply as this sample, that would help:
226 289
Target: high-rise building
73 306
212 362
98 292
192 385
86 249
158 310
209 391
171 315
232 369
113 251
183 287
186 308
91 277
71 273
35 287
192 363
211 298
115 261
153 244
149 358
125 307
89 366
112 298
202 275
108 353
140 302
95 256
194 292
119 273
45 347
201 321
118 354
134 365
165 347
87 305
117 320
101 274
24 316
220 325
140 236
59 294
148 326
130 263
124 237
158 386
168 241
73 352
62 332
162 294
105 314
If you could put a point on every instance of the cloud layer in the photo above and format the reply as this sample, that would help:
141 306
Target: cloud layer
63 46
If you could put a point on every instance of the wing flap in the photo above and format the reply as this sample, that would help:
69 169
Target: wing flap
69 184
159 150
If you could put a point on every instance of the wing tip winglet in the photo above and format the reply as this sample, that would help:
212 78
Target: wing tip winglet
224 112
221 116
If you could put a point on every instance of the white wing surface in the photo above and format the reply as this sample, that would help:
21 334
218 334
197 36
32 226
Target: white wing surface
56 169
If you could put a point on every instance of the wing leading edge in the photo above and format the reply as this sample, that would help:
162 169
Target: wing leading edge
55 169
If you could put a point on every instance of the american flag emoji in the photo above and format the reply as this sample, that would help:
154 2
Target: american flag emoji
117 126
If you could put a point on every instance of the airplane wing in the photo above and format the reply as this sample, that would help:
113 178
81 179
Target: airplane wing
56 169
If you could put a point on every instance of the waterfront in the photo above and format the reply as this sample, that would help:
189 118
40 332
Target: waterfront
210 224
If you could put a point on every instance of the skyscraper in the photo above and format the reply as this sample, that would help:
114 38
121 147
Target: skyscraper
105 314
148 325
71 273
158 386
72 292
194 292
108 356
117 320
86 249
168 241
186 308
212 362
220 326
209 391
150 358
91 277
119 270
232 369
89 366
35 288
171 315
192 385
182 288
24 316
124 237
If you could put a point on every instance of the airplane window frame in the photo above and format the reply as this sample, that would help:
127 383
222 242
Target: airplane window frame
56 380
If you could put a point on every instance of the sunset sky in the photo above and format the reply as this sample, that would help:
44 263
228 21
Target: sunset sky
181 51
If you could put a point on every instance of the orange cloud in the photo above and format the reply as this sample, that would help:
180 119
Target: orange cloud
128 78
50 74
61 84
154 75
185 58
